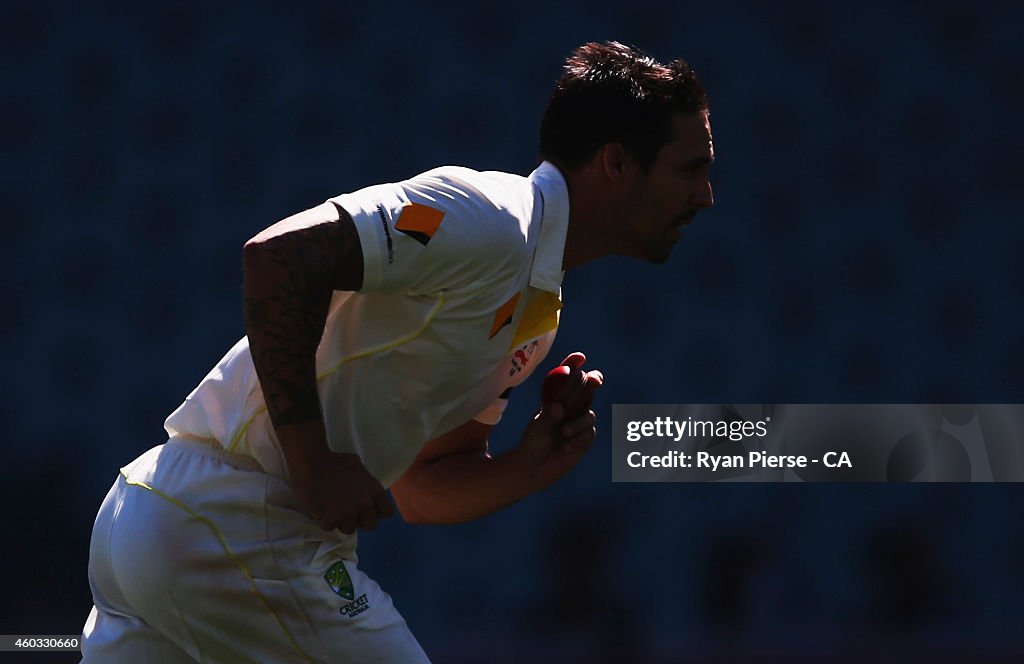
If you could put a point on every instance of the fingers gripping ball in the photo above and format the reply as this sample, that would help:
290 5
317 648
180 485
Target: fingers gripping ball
554 382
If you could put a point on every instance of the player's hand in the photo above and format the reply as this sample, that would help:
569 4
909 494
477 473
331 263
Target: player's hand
563 430
338 492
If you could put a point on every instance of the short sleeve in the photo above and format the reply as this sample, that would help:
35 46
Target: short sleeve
435 232
492 414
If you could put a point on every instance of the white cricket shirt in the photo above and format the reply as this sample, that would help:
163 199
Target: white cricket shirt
460 302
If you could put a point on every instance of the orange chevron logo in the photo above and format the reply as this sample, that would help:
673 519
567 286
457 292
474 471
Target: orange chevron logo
419 222
504 315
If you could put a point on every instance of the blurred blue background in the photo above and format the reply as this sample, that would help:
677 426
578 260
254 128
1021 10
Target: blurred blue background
866 246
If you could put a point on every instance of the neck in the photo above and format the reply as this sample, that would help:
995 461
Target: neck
587 238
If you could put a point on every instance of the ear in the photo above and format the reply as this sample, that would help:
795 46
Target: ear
615 162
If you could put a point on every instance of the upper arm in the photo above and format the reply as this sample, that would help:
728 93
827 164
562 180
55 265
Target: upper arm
318 248
291 270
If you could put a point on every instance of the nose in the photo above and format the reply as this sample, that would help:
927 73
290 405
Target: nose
703 197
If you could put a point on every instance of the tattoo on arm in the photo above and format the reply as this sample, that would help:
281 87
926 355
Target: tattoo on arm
290 275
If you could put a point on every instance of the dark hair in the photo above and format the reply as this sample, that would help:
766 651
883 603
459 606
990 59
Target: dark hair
612 93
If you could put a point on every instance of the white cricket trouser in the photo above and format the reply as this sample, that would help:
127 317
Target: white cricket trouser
199 556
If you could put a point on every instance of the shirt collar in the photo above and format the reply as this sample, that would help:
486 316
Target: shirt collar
547 270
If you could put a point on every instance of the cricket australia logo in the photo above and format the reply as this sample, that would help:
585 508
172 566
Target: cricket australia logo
341 583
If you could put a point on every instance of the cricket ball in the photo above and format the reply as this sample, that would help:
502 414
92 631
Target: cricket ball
553 384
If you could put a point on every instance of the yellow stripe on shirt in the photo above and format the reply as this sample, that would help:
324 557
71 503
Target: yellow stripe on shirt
540 317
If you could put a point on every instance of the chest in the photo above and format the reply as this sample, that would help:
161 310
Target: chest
440 347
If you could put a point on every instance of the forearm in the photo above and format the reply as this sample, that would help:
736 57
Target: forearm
454 479
464 486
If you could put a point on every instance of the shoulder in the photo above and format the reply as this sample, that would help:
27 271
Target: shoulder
451 189
485 189
482 207
447 226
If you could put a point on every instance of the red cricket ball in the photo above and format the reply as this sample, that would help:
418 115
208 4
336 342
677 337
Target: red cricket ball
553 384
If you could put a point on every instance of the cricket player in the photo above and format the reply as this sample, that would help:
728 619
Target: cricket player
385 331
